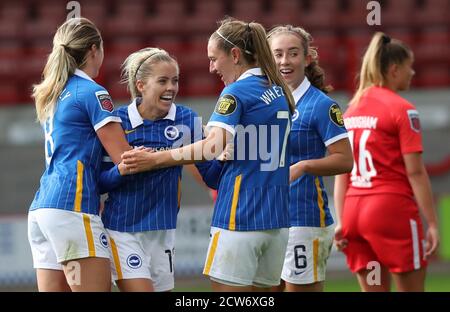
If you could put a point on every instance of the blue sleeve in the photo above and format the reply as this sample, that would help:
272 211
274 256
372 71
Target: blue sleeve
99 107
329 122
210 172
110 177
227 113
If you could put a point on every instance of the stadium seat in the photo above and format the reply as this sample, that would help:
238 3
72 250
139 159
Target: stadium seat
97 11
354 16
432 76
398 13
283 12
432 13
320 14
169 17
128 20
248 10
433 46
200 84
205 16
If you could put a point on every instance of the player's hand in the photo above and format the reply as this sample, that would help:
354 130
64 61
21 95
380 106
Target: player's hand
432 241
139 160
339 239
296 171
227 153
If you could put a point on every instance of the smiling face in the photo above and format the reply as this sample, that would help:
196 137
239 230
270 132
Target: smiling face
161 87
290 58
221 63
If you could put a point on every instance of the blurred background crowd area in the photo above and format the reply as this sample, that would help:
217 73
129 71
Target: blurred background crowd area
339 28
182 27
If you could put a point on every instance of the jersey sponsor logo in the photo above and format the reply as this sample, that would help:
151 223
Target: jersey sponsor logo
129 131
105 101
103 240
295 116
226 105
414 120
171 132
134 261
335 114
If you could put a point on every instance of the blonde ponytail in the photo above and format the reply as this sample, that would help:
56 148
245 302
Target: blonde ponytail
72 41
380 54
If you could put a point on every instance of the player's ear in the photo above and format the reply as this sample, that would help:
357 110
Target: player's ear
140 86
235 54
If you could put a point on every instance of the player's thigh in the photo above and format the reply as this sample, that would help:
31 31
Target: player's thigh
49 280
307 254
88 274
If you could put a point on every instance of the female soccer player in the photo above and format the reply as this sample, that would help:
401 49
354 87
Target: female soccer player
77 117
141 213
378 203
250 220
317 128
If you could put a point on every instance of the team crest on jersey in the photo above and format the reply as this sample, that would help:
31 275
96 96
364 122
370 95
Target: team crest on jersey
414 120
103 240
295 116
134 261
226 105
171 132
105 101
335 114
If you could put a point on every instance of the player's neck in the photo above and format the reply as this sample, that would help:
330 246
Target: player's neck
151 113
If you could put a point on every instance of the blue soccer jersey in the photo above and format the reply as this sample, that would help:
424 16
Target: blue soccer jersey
254 187
150 200
317 123
73 151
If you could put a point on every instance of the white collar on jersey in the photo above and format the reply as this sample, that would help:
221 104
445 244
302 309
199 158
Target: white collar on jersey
301 90
82 74
136 118
251 72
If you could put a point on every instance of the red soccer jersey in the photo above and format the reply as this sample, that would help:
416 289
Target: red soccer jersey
382 127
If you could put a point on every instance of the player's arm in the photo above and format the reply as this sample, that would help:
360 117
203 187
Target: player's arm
340 189
339 160
206 149
421 186
113 140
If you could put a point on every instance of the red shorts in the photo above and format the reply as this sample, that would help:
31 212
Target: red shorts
386 228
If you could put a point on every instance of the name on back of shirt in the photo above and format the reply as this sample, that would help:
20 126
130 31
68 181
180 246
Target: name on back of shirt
271 94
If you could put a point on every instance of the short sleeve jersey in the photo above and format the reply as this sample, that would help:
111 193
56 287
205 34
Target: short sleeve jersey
382 128
73 151
253 191
150 200
316 124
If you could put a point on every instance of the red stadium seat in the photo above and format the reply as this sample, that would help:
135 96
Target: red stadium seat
355 15
248 10
433 13
321 14
200 85
205 16
433 46
128 20
398 13
96 11
169 18
432 76
283 12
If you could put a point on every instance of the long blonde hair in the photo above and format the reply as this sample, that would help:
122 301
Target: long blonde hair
250 39
380 54
139 66
313 71
72 41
